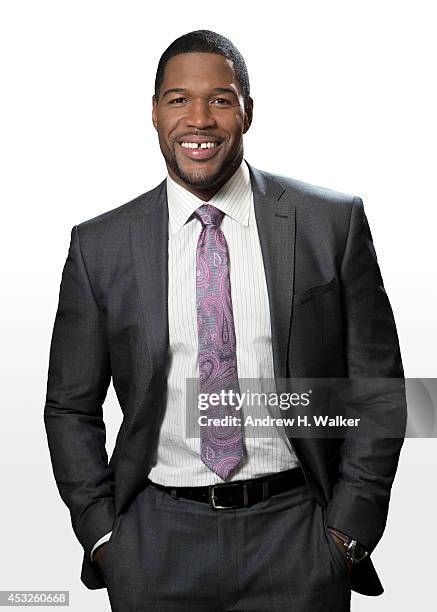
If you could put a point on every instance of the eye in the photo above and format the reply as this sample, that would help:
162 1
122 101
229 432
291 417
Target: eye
221 101
177 101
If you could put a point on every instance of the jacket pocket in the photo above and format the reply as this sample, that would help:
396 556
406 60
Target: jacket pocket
107 560
338 558
304 296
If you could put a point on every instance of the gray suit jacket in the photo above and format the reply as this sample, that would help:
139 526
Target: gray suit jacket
330 317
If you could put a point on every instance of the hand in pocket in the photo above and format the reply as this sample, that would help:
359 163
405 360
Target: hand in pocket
340 544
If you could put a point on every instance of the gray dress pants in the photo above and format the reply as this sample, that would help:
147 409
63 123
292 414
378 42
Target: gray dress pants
171 554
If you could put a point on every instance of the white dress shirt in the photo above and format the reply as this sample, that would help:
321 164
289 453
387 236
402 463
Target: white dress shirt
178 460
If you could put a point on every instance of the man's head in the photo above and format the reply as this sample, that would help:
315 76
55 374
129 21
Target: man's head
202 95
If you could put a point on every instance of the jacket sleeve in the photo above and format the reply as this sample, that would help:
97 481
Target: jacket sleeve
78 379
360 500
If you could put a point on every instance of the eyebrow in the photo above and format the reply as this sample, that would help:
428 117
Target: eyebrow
217 90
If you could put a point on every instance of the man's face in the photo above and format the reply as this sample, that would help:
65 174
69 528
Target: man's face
200 101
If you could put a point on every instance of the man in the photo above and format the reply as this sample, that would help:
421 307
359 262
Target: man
221 272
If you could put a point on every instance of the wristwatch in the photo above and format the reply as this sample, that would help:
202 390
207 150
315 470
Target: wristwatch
355 552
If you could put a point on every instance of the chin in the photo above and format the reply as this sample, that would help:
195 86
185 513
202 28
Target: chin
200 177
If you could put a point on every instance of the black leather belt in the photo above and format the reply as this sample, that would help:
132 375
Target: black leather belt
239 493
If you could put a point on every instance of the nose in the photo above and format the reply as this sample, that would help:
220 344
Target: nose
200 115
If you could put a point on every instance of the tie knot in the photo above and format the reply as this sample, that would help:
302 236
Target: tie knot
209 215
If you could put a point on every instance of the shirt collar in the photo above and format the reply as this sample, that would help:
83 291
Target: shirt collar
233 198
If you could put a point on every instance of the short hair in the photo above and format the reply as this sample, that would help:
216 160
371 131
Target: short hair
205 41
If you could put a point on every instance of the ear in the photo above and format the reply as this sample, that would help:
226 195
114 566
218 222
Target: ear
248 115
155 112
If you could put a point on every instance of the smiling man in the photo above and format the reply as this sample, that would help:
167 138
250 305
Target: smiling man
222 272
201 125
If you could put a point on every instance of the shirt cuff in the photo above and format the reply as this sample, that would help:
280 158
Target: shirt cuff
102 540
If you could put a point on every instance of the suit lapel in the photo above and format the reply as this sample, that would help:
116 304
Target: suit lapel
149 240
276 221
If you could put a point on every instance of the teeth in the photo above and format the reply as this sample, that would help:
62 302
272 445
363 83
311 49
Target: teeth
195 145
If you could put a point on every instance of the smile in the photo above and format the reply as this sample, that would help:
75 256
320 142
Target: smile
198 145
199 150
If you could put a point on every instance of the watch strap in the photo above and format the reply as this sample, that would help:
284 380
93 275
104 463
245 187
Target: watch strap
349 543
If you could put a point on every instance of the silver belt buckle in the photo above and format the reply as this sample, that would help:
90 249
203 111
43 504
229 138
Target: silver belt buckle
212 497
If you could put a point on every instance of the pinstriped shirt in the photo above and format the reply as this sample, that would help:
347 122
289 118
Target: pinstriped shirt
178 460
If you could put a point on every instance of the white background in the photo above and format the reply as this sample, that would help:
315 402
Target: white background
344 97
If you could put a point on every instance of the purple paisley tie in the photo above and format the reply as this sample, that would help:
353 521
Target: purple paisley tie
221 446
